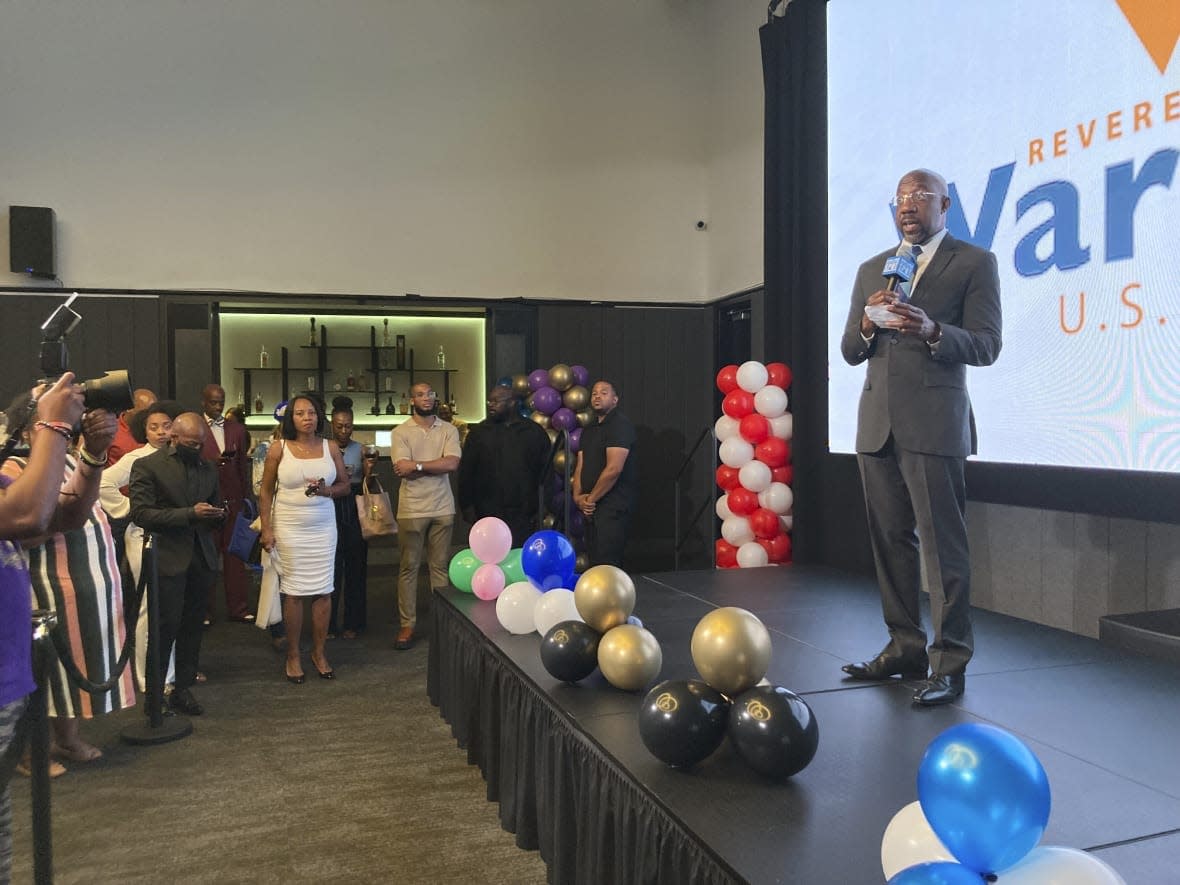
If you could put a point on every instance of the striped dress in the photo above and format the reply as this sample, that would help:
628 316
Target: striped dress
75 574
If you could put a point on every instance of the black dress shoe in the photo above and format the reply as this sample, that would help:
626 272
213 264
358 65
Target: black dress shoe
885 666
939 690
182 701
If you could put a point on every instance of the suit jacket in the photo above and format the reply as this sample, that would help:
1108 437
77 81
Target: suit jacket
234 473
918 394
163 492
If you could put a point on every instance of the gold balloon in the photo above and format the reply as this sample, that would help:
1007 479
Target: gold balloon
552 435
576 398
629 657
520 385
605 597
586 417
528 401
548 521
540 418
581 563
559 461
560 377
731 649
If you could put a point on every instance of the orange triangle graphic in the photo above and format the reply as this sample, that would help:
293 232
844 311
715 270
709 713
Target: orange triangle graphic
1157 24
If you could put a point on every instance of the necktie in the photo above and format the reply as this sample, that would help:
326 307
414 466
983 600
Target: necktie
908 286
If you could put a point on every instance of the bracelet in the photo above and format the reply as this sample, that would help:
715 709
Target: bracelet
88 458
59 427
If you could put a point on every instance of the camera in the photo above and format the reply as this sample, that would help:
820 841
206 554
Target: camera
111 392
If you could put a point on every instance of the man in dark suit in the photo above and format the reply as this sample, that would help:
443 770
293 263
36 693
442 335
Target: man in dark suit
915 429
227 445
175 495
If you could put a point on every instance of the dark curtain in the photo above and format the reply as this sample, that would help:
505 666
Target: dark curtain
794 67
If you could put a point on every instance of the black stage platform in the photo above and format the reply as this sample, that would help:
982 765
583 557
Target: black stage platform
574 780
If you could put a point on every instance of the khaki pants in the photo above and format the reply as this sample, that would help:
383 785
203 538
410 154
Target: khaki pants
435 533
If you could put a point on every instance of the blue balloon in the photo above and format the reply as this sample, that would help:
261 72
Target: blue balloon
548 560
941 872
506 381
985 795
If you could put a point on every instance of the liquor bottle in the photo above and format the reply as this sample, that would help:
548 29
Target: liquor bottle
350 382
389 384
390 408
263 358
405 405
259 405
442 357
311 335
385 339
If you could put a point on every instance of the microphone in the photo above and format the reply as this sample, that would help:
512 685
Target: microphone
898 269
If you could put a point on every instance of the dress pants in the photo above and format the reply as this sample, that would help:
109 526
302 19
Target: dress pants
182 609
412 533
606 535
917 514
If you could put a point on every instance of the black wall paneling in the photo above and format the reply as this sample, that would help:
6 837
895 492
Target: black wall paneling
31 241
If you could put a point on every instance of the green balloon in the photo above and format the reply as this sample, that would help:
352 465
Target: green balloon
513 571
462 569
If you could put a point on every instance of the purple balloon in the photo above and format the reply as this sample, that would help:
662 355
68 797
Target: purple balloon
564 419
577 524
556 481
538 378
575 437
581 375
546 400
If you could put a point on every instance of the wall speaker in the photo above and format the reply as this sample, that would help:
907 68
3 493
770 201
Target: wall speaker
31 241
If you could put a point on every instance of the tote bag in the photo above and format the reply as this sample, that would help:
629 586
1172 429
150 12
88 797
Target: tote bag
372 506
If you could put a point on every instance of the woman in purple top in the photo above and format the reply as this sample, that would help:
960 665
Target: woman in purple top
29 507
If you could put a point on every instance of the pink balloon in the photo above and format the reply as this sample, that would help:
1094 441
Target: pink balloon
490 539
488 581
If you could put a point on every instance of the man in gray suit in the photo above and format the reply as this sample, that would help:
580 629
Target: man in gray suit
915 429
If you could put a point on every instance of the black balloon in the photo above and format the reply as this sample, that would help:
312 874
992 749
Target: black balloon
569 651
773 730
683 721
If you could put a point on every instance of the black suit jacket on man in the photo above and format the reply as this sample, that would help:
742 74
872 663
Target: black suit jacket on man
163 492
920 395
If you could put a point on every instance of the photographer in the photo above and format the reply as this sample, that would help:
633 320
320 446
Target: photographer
32 505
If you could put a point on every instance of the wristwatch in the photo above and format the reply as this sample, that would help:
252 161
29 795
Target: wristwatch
418 466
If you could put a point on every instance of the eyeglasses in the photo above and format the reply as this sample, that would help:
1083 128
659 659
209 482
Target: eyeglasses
918 198
430 395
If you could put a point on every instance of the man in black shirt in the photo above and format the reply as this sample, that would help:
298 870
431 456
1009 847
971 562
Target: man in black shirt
605 481
504 458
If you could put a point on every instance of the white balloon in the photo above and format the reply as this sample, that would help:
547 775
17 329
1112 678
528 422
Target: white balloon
552 608
783 426
752 555
736 452
726 428
514 607
787 522
736 530
755 476
752 376
1057 865
770 401
777 497
722 508
909 840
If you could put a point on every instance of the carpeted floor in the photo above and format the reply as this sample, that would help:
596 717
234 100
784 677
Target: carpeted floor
356 779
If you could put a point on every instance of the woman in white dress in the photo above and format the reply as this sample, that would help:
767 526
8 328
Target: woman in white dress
302 473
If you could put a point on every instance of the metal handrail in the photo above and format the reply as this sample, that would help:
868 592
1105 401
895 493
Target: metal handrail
678 539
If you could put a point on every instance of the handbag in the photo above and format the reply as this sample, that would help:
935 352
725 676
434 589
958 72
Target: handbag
376 515
270 605
243 543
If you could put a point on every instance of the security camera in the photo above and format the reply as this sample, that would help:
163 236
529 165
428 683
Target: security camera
701 225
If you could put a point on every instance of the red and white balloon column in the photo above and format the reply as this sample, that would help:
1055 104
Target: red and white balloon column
755 476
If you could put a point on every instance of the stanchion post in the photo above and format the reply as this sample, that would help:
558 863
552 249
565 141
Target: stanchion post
43 622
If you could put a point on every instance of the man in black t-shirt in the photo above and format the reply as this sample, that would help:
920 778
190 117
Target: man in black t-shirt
605 480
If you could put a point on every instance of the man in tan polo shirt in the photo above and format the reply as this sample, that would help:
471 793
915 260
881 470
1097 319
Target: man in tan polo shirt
424 451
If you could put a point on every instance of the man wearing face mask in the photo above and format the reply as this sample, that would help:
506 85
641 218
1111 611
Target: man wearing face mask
175 494
424 451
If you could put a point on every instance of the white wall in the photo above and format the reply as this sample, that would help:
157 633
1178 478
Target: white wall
476 148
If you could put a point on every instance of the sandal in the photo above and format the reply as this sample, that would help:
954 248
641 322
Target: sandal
56 769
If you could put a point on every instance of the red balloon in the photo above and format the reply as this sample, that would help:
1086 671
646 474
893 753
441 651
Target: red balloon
764 523
738 404
784 474
743 502
778 374
754 428
773 452
778 548
727 477
727 378
726 554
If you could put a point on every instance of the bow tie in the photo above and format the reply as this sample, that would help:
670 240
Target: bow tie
216 422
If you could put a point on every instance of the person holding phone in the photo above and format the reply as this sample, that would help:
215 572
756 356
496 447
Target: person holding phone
352 551
175 493
227 445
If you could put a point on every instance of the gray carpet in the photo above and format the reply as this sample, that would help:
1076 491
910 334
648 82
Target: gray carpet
356 779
